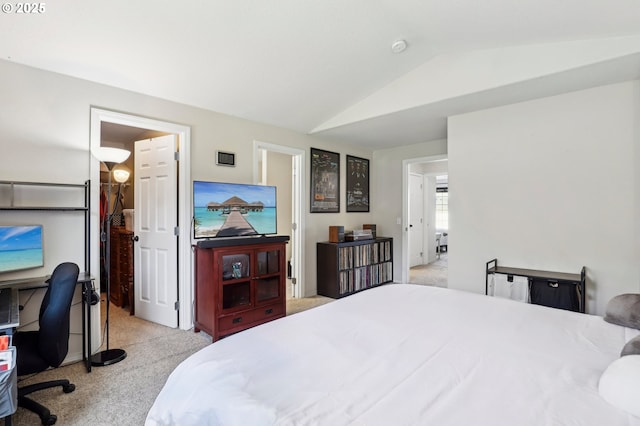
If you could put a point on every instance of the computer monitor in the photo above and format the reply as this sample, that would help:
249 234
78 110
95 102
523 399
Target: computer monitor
20 247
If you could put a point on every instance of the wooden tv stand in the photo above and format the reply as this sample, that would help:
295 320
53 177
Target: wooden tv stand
239 283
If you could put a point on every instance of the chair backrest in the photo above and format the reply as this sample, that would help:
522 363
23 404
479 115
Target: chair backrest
53 340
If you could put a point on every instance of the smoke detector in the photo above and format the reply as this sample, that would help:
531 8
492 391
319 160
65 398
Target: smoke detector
399 46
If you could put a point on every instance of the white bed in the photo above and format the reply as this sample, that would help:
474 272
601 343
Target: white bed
403 354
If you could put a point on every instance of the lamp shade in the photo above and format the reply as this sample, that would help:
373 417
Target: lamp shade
120 174
110 156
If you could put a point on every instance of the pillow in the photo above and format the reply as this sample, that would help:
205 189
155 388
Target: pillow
624 310
632 347
620 384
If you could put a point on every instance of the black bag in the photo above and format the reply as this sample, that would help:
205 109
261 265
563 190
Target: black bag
561 295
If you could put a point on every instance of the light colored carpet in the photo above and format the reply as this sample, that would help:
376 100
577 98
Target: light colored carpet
298 305
122 393
432 274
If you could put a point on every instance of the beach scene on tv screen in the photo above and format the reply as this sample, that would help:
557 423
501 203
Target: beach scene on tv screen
231 210
20 247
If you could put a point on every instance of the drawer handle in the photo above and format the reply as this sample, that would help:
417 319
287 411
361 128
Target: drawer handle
236 320
553 284
268 311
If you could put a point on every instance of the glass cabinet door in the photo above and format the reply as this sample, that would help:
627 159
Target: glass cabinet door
236 280
267 288
249 278
267 263
236 266
236 295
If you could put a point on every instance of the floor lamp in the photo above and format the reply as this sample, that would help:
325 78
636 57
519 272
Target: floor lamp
110 157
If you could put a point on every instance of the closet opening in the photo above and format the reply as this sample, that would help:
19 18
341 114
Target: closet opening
109 128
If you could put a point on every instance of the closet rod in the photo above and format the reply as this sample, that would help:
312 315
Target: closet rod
114 184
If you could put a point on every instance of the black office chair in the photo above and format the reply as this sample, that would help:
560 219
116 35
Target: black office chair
47 347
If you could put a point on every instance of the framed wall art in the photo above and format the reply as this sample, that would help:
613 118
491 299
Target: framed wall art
325 181
357 184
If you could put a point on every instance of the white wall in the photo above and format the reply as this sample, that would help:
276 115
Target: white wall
549 184
45 128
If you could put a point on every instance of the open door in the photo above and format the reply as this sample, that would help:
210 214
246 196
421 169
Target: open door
264 173
155 224
416 220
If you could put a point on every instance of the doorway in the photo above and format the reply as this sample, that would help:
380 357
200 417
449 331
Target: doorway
152 128
269 161
425 255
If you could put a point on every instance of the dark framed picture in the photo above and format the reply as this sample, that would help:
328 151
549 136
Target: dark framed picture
325 181
357 184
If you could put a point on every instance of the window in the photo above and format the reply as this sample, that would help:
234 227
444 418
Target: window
442 208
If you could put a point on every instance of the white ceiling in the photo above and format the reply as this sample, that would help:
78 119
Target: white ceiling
317 65
116 134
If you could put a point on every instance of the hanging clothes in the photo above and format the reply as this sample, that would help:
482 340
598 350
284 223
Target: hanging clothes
103 207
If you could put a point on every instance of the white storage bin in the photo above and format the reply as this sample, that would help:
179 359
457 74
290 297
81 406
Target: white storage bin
128 219
510 287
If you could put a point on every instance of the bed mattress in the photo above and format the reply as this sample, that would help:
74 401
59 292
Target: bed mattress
403 354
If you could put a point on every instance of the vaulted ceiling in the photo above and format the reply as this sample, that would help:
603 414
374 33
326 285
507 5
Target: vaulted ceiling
327 67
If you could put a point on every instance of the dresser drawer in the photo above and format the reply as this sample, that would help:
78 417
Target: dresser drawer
239 319
266 312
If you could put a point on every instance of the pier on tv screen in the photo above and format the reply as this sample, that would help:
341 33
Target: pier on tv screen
231 210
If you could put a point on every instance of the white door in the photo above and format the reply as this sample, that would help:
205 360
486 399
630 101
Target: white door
416 208
155 221
296 213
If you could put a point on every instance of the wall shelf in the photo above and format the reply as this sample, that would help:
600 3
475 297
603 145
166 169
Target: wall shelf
11 189
15 185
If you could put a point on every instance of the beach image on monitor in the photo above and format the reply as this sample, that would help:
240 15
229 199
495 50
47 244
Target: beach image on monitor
20 247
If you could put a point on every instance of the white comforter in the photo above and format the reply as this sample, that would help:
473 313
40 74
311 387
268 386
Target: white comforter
403 354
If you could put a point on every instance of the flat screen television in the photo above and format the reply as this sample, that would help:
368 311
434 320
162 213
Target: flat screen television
20 247
233 210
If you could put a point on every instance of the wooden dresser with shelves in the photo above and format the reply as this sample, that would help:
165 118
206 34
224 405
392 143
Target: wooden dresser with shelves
121 272
239 283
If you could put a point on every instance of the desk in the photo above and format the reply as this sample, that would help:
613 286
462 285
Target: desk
8 378
9 392
86 280
9 304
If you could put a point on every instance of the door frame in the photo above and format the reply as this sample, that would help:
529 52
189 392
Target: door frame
405 207
297 195
184 204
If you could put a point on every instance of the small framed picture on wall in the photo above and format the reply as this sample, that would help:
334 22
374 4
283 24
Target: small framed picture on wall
357 184
325 181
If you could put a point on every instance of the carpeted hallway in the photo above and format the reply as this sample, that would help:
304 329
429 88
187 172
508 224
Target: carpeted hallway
433 274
